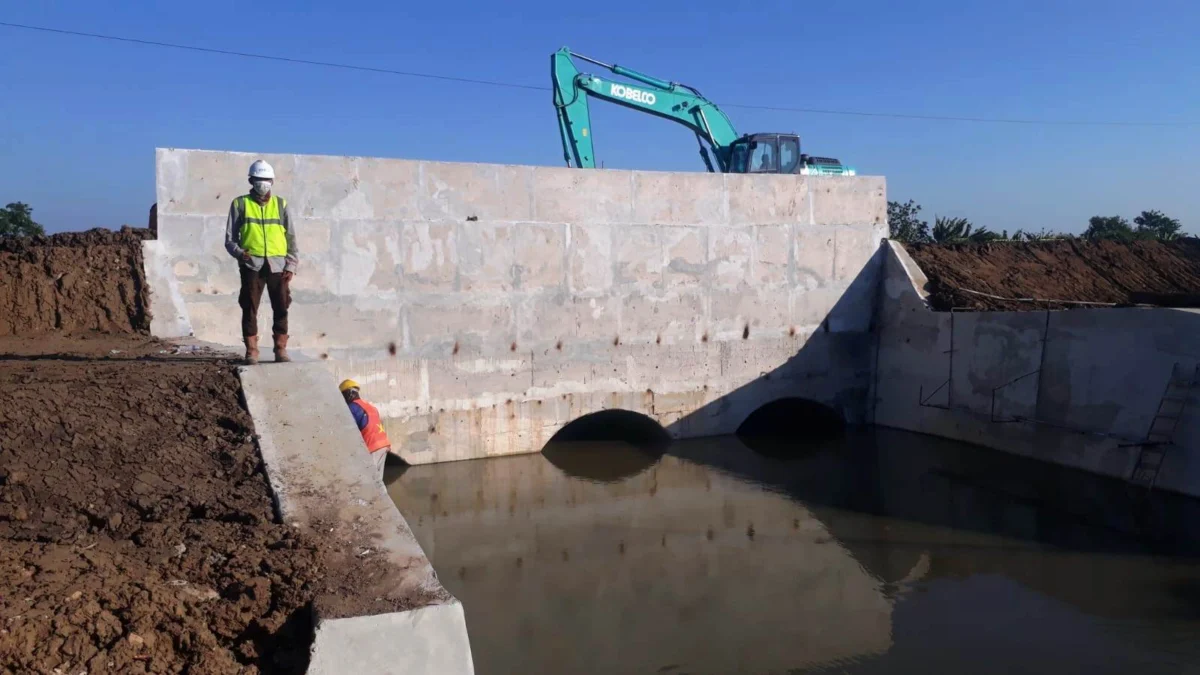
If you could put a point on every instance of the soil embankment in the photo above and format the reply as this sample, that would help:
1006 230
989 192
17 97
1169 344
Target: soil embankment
136 523
74 281
1076 270
137 531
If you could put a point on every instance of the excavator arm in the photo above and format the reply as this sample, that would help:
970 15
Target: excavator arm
668 100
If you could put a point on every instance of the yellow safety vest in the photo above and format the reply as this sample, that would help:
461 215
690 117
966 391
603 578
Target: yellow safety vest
263 234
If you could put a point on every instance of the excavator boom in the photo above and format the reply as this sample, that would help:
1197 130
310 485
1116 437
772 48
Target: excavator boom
668 100
730 153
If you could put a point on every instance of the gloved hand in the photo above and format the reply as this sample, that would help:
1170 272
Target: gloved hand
287 275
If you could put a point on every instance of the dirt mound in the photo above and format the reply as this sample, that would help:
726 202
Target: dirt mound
74 281
97 236
1119 273
136 525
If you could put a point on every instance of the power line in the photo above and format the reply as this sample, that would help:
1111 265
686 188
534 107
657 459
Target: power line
269 57
530 87
948 118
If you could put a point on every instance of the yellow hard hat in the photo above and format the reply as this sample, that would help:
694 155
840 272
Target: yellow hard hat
347 385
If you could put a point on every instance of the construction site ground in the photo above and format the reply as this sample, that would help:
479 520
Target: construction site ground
1060 274
137 529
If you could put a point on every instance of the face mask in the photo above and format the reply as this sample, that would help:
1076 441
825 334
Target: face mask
261 187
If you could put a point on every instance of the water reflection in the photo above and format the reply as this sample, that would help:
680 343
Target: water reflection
877 552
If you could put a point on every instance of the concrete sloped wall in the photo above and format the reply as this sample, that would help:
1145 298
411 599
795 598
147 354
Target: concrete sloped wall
1094 378
483 307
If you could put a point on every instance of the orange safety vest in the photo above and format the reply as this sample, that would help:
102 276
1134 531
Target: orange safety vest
373 434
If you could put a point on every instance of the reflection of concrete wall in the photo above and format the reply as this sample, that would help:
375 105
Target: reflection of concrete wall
654 571
484 306
1097 387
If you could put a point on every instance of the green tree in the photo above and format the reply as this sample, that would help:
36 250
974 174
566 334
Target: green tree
16 220
904 225
1043 235
957 230
1109 227
1157 225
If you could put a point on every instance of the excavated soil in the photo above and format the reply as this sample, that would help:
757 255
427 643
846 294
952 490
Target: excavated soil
74 281
1048 274
137 525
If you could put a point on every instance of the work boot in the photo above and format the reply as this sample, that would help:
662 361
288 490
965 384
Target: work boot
252 350
281 354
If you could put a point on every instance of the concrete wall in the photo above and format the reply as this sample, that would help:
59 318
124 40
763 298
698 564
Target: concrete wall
392 615
483 307
1097 378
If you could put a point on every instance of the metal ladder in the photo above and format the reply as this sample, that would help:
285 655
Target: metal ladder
1174 401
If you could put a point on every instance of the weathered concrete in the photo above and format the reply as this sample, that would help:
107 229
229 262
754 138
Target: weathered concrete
1094 378
426 640
322 478
169 315
483 307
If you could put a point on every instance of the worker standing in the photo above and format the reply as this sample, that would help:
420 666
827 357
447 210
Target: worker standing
367 419
262 237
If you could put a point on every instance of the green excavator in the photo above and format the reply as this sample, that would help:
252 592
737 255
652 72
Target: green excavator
720 145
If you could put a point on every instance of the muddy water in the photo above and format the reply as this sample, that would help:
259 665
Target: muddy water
880 552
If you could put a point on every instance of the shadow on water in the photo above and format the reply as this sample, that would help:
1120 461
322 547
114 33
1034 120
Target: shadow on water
923 479
607 446
863 551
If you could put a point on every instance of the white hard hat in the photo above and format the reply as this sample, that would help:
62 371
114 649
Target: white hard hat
262 170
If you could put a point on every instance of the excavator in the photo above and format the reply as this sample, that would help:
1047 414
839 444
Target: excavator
721 148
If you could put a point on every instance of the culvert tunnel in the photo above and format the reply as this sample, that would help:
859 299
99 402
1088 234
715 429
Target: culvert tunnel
607 446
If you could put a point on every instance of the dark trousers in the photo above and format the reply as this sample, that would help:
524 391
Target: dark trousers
253 282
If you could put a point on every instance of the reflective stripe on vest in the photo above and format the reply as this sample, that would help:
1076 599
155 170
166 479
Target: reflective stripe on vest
263 234
373 434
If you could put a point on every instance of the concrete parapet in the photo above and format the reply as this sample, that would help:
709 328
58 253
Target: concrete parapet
418 267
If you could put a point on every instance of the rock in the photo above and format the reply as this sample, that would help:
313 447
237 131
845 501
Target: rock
199 593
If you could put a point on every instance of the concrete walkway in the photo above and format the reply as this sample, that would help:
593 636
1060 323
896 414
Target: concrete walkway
323 481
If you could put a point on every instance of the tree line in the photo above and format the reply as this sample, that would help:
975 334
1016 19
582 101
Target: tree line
905 225
16 220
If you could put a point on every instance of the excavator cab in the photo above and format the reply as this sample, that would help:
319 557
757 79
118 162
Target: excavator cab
779 153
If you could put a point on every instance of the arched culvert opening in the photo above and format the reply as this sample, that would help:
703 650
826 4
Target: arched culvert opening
607 446
791 427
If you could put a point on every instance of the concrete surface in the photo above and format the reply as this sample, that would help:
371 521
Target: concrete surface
168 315
1095 378
483 307
321 477
426 640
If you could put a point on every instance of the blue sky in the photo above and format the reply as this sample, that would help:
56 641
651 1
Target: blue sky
80 118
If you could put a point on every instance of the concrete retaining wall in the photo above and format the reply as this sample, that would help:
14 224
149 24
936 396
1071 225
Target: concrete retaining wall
1094 378
483 307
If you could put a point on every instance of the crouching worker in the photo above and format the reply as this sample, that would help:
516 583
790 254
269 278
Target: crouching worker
367 419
